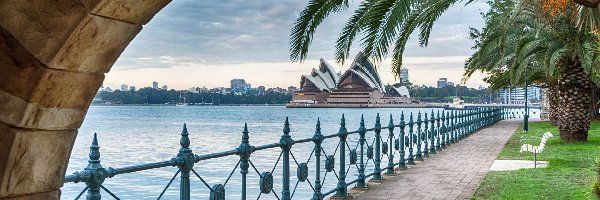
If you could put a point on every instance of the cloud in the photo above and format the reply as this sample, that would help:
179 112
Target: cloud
193 34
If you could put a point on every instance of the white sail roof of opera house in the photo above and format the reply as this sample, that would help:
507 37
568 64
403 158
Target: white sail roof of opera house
362 67
402 91
325 78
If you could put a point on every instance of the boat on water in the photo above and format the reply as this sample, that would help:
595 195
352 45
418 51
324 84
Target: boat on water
181 103
458 103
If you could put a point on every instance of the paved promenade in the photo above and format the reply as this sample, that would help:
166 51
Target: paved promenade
454 173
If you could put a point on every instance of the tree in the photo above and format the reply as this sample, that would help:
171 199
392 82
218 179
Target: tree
549 39
386 23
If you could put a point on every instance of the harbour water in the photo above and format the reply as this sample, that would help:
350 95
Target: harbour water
131 135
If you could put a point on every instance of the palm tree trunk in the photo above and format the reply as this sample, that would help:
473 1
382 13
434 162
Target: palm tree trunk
574 92
552 96
595 95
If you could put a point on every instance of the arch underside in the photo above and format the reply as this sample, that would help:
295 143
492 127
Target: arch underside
53 57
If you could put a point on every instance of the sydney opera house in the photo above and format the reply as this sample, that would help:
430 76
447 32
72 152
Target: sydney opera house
360 84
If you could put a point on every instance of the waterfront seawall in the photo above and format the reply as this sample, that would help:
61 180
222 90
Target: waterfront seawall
298 105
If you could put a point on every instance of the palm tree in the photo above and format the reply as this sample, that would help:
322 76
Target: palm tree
389 23
567 60
560 51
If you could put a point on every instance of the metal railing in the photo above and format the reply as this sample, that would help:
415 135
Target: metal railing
412 140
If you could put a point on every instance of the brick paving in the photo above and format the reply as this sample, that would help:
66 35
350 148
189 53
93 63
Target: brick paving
453 173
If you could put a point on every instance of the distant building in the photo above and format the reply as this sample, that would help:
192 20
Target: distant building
132 88
450 84
517 95
155 85
239 86
404 75
124 87
291 89
164 87
260 90
442 82
360 84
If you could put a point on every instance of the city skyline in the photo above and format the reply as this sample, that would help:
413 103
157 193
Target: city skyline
182 48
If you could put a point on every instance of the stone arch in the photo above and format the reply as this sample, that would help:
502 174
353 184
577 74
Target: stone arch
53 57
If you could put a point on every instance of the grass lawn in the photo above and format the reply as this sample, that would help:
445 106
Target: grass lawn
570 174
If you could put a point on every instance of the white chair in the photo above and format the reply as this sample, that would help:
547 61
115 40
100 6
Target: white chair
536 149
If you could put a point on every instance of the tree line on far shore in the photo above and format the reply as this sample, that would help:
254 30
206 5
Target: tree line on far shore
154 96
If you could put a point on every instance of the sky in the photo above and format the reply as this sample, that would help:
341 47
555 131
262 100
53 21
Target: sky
209 42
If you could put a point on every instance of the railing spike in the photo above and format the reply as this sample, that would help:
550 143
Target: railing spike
94 149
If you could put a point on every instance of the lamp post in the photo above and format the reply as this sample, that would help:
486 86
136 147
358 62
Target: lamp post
526 116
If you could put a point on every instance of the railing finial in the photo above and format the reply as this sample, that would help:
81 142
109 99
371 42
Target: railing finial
185 140
245 134
286 127
95 149
377 122
318 127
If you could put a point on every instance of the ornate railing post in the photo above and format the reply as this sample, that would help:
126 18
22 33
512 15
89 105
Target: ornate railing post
432 134
444 130
425 137
185 162
244 151
94 174
419 155
463 124
402 162
449 127
390 165
439 131
342 190
377 162
469 123
454 125
286 143
318 140
411 138
361 169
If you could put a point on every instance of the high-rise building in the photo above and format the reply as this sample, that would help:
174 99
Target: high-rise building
124 87
517 95
442 82
154 85
450 84
404 75
239 86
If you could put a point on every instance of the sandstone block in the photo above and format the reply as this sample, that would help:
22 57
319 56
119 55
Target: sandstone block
137 12
29 80
55 194
20 113
63 35
41 26
33 161
95 45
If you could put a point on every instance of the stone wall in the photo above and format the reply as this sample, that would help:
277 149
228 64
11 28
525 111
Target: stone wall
53 57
